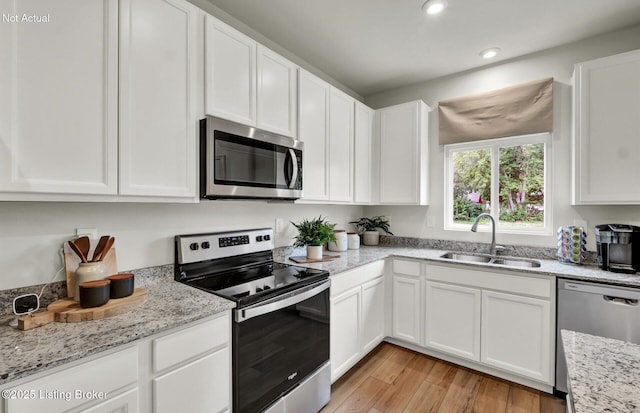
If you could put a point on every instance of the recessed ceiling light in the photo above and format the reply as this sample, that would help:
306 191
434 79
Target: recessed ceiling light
434 6
489 53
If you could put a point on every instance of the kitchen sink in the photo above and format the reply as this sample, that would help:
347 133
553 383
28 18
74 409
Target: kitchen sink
515 262
457 256
491 259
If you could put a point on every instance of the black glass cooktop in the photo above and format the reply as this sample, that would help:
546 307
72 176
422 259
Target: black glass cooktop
256 283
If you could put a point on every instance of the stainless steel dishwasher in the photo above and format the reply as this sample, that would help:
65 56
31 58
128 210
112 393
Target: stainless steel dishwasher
599 309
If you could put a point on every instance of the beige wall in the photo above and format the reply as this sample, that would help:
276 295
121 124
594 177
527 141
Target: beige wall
557 62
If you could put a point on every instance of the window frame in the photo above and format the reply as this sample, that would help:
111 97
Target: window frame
494 145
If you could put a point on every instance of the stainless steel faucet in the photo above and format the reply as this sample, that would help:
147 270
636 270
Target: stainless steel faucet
474 228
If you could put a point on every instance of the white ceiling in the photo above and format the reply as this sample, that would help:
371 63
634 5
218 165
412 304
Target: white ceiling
376 45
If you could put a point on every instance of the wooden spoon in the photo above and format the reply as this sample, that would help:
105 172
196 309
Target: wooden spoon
78 251
99 248
106 248
84 245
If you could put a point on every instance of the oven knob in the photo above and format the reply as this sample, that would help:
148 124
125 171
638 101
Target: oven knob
266 287
267 237
205 245
258 289
259 238
194 246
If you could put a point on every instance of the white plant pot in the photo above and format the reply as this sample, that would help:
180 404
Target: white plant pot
314 252
371 238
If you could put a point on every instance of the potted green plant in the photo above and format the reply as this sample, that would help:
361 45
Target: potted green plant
314 233
368 227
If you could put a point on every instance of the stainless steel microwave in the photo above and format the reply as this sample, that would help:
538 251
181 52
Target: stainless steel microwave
243 162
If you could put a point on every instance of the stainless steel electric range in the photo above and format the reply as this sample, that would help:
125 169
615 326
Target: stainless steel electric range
280 341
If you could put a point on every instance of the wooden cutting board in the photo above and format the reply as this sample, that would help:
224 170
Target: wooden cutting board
67 310
304 260
71 262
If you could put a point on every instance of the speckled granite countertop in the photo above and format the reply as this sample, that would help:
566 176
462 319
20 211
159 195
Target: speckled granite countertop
354 258
169 304
604 374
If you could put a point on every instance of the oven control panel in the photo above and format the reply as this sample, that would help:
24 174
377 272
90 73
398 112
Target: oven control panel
202 247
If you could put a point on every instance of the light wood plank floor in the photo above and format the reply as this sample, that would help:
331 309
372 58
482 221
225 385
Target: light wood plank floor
392 379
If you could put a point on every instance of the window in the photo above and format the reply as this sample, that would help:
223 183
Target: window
507 178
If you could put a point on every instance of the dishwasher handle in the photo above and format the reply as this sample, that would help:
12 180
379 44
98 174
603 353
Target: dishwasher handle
620 300
625 293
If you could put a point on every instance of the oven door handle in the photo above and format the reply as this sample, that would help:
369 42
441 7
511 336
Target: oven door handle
278 303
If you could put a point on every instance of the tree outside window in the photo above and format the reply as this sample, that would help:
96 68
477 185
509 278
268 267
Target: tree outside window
511 171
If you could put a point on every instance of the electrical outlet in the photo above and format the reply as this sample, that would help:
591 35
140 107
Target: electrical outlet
279 224
92 233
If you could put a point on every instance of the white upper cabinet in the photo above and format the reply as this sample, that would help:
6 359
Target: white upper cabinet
159 56
277 93
230 73
607 122
314 95
362 153
59 99
404 154
341 117
248 83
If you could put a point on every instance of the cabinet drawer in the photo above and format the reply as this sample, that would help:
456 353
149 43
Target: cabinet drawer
358 276
513 283
190 342
70 388
406 267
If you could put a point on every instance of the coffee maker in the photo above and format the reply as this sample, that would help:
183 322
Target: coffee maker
618 248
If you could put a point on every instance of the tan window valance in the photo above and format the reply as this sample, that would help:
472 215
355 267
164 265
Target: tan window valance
512 111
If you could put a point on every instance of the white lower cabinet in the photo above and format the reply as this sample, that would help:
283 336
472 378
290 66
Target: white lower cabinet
186 368
516 334
504 321
202 386
126 402
345 331
372 314
407 301
357 315
452 319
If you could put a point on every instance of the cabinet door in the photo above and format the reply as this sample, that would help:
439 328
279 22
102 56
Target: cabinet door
190 387
341 147
314 132
345 332
516 334
59 100
362 153
607 121
124 403
403 154
407 308
158 91
230 73
277 93
452 319
372 314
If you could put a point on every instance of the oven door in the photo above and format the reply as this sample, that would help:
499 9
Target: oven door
277 344
244 162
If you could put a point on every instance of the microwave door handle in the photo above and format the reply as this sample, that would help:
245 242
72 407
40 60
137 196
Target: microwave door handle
294 166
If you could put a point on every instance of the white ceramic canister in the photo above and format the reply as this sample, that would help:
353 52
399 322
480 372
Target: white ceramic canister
353 240
314 252
341 243
89 271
